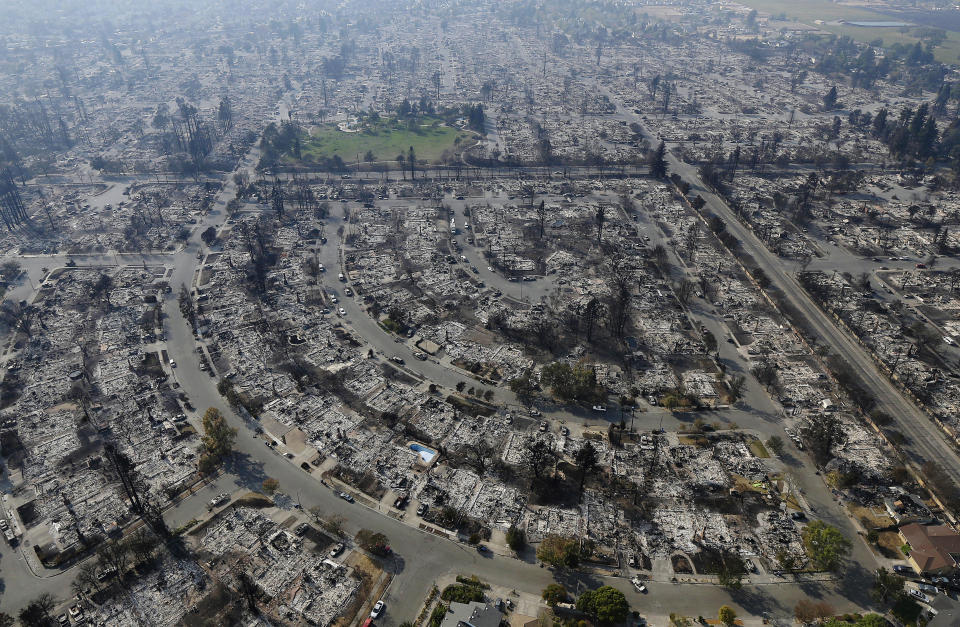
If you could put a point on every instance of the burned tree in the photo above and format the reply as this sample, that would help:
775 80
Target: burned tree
12 210
193 135
138 493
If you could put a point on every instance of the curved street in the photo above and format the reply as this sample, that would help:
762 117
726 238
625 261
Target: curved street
422 557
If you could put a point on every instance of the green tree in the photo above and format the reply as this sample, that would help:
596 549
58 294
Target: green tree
270 485
553 594
373 542
825 545
516 538
821 435
726 615
658 162
887 587
209 235
830 99
523 386
217 442
587 461
735 387
607 604
572 383
775 444
559 552
10 270
732 571
870 620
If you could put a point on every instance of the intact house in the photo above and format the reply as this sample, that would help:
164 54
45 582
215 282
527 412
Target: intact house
934 549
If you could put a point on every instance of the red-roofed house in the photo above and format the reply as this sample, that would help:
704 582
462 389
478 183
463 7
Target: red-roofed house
934 549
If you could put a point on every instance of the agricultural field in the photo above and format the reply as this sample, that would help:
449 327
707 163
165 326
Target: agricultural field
385 139
830 13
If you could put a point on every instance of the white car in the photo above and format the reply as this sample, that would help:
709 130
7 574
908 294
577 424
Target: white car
638 585
377 610
919 596
173 364
490 268
599 408
342 311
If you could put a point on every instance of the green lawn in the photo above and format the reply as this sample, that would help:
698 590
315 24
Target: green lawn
810 10
386 139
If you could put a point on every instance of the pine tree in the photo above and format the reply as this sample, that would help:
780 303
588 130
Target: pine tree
658 163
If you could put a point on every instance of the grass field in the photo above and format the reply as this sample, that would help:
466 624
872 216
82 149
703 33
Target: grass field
386 139
810 10
758 449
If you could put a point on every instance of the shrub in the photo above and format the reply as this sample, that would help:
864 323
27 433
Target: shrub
462 593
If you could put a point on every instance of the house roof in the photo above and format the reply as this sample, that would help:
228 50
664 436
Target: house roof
932 547
947 612
475 614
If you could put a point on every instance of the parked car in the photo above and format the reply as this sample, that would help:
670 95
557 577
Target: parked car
377 610
397 360
337 549
638 585
482 549
920 596
422 509
543 425
301 529
346 497
564 431
900 569
599 408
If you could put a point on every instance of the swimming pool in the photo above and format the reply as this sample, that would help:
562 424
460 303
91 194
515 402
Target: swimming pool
426 453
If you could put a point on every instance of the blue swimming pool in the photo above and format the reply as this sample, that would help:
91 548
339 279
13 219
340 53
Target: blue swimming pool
426 453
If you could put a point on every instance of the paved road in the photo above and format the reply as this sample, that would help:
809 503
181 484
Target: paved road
926 441
421 557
